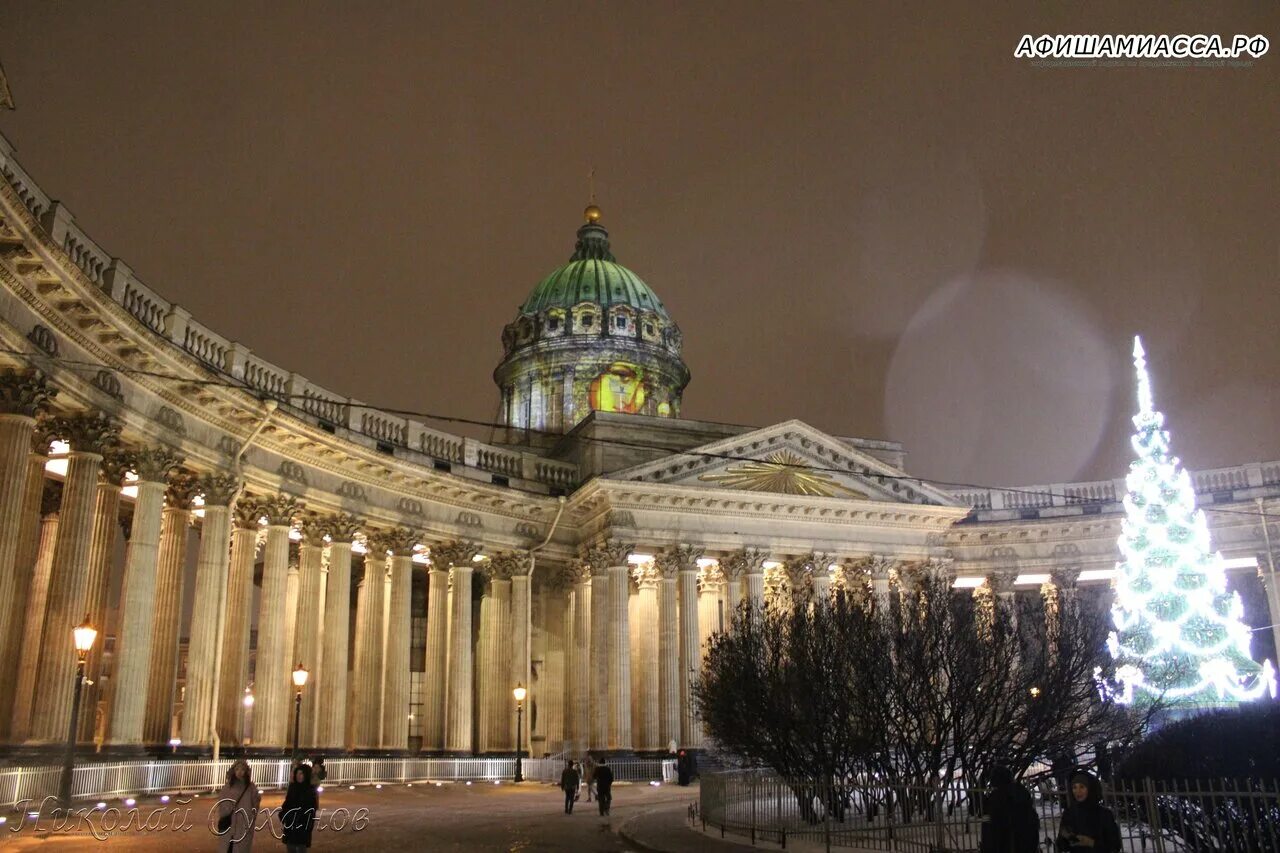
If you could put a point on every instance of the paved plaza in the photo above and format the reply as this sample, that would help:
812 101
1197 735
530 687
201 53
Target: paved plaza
448 817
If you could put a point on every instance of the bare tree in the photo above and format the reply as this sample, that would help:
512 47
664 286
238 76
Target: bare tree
922 689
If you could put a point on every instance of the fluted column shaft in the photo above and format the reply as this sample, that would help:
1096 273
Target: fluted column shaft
235 637
395 726
619 652
272 683
367 696
755 589
494 689
132 658
458 734
601 603
332 689
646 657
690 654
551 706
55 680
433 700
33 630
306 643
202 645
580 668
158 720
106 522
15 448
520 652
25 563
668 663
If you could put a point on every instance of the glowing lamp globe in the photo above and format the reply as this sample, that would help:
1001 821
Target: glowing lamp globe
84 634
519 692
300 676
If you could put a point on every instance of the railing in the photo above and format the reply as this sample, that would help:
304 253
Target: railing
1242 816
132 779
624 770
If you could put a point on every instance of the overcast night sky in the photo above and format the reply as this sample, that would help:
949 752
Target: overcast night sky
871 219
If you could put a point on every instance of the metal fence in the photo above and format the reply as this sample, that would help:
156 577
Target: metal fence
1227 816
20 785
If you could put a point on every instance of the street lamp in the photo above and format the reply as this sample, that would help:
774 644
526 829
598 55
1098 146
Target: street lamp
84 635
519 693
299 681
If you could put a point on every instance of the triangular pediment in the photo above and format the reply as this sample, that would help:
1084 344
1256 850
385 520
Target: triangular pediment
790 458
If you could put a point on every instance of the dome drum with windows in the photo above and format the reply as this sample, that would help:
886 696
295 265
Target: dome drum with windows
591 337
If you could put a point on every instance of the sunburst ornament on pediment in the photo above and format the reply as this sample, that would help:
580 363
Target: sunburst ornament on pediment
783 472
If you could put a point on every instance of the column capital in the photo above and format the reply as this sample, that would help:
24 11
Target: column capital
43 435
183 488
1065 580
745 561
399 542
51 498
25 392
88 432
280 509
115 464
155 464
710 577
217 489
509 564
457 553
882 567
576 572
343 527
1001 583
247 512
678 558
314 529
647 575
609 552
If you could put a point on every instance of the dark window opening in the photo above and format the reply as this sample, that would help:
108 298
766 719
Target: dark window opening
648 330
622 322
586 321
1028 514
500 480
553 324
1092 509
441 466
328 427
387 448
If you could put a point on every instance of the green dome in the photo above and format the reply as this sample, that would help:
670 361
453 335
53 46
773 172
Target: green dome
592 275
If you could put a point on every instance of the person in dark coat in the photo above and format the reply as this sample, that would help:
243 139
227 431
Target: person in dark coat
569 781
1087 825
299 810
1011 825
604 785
682 768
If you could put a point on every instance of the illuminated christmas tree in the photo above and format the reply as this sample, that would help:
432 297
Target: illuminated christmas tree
1178 632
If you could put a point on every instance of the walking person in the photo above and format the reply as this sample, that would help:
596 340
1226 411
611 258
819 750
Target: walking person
299 810
569 781
237 809
1087 825
1011 824
589 775
604 785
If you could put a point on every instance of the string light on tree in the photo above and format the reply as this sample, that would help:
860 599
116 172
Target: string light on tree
1178 632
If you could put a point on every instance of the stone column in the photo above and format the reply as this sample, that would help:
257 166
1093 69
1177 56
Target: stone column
433 682
23 396
520 564
132 657
306 639
618 641
1001 584
331 690
578 575
710 585
157 725
460 678
557 609
744 566
90 436
366 697
234 677
668 566
685 559
495 650
395 709
204 669
29 540
33 624
600 604
647 658
106 523
821 578
273 683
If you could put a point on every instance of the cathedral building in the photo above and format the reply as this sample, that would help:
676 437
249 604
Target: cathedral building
419 576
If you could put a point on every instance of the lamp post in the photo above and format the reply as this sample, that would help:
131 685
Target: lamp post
519 693
84 635
299 681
